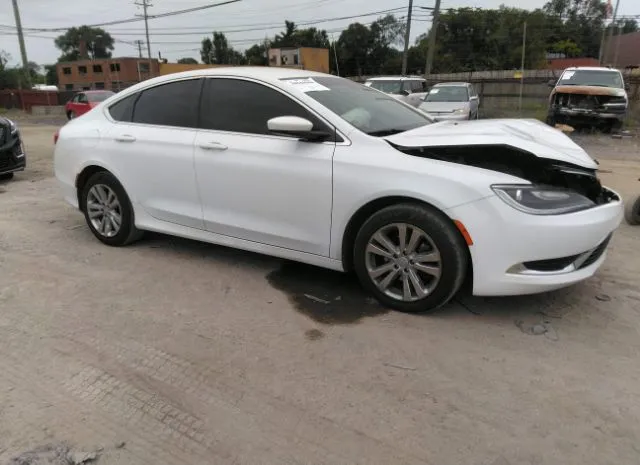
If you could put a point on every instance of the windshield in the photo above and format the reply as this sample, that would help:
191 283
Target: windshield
448 94
388 87
99 96
365 108
591 78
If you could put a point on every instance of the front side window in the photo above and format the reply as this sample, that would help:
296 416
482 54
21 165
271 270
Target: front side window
387 86
586 77
82 98
235 105
173 104
367 109
448 94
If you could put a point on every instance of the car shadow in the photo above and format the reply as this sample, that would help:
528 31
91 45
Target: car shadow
333 298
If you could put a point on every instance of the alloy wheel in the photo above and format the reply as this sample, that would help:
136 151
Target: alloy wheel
104 210
403 262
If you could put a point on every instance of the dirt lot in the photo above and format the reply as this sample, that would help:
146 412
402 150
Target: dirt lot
176 352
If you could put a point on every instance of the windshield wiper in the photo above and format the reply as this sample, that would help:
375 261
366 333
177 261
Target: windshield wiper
386 132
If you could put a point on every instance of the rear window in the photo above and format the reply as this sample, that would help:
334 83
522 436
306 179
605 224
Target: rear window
99 96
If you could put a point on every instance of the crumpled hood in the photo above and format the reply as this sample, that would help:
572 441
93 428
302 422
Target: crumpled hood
529 135
590 90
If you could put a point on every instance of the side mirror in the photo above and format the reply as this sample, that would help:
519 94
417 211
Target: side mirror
474 97
552 83
295 126
405 92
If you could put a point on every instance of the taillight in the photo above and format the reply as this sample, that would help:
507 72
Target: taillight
56 136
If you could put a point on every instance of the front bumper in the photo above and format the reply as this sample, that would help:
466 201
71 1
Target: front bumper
449 116
576 114
12 154
516 253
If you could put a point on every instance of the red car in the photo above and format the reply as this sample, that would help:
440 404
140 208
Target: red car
82 102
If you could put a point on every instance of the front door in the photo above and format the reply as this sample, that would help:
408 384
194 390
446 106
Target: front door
258 186
151 147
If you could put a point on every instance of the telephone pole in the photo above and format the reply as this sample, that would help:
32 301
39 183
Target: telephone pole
139 44
432 38
23 49
612 27
407 34
145 4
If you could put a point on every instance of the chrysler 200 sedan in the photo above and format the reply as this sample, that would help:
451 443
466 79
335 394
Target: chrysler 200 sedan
319 169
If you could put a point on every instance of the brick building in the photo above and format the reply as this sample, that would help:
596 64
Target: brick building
623 51
105 73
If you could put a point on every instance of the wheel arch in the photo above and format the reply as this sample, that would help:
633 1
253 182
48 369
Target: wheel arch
84 175
363 213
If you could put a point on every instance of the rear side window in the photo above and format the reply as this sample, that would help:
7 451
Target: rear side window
174 104
123 109
235 105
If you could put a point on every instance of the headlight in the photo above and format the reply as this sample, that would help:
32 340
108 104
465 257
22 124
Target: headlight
542 200
461 110
12 127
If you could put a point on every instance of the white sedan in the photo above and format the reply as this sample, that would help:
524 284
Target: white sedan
319 169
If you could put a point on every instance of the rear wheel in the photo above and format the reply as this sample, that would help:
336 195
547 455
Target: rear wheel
410 257
632 211
108 211
71 115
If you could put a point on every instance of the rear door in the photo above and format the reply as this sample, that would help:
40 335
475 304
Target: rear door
151 146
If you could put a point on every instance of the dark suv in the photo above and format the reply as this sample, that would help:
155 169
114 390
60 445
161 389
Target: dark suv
12 156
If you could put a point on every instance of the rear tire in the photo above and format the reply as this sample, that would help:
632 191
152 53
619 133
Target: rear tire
422 274
71 115
632 212
108 211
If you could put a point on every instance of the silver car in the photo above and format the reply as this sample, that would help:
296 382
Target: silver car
409 89
451 101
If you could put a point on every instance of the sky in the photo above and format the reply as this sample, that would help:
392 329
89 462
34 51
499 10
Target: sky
179 36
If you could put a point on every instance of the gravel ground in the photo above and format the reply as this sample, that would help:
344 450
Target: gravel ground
172 351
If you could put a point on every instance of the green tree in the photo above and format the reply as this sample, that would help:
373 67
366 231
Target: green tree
294 37
286 39
353 50
256 55
567 47
188 61
51 75
206 51
99 43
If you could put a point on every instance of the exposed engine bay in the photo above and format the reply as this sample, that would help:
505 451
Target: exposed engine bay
525 165
589 102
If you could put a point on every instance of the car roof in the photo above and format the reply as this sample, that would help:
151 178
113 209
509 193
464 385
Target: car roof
396 78
95 91
444 84
591 68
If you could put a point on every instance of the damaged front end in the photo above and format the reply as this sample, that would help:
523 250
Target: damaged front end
587 106
515 162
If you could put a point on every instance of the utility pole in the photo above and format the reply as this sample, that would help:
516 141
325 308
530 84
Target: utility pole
432 39
23 49
139 44
613 23
145 4
524 49
407 34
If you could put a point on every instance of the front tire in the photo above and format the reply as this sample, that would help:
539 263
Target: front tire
410 257
108 211
632 212
6 176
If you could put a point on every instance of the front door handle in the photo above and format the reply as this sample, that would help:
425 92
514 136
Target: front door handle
125 138
213 145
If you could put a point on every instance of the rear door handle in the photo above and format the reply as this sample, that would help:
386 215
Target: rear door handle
125 138
212 145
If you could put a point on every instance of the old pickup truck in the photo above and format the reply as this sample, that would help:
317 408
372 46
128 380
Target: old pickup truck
589 97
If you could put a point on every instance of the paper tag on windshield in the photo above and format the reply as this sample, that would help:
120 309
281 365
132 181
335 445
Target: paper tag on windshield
307 85
434 91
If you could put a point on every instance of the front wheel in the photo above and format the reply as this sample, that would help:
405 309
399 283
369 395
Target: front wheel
410 257
632 212
108 211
